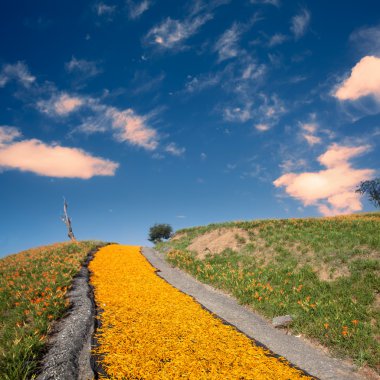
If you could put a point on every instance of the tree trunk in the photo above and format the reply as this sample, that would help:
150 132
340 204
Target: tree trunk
66 219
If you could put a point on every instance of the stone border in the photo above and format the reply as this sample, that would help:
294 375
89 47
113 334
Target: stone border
69 347
300 353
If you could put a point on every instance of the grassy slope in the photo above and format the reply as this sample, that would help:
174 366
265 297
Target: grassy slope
33 285
324 272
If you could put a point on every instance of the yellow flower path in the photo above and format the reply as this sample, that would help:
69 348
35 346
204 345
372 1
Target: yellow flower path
150 330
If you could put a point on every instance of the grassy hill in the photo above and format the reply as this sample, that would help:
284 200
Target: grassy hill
33 285
322 271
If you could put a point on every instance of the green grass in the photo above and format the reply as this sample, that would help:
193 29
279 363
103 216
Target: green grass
33 285
322 271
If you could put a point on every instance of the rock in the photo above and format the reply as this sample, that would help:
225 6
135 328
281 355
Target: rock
282 321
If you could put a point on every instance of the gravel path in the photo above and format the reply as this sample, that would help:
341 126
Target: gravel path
299 352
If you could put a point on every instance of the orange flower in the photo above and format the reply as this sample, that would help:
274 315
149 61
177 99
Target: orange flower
326 325
355 322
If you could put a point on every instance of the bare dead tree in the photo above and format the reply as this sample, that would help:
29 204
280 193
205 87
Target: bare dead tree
66 219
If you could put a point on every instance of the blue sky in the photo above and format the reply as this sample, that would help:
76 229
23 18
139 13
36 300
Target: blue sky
183 112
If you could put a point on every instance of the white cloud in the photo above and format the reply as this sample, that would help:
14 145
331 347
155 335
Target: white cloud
172 33
266 114
83 67
271 108
50 160
135 10
103 9
175 150
200 83
18 72
367 40
332 190
61 105
8 134
238 114
227 44
293 164
277 39
254 71
300 23
363 81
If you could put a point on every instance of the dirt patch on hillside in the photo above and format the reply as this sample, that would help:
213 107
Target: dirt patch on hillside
217 241
328 273
179 236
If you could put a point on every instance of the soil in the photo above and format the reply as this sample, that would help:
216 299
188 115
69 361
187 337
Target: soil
217 241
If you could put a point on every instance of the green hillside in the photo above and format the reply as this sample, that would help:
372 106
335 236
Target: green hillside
33 287
322 271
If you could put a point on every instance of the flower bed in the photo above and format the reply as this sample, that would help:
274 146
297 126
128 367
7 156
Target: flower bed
33 286
150 330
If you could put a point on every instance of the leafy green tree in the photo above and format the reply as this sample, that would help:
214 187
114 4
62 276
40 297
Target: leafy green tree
159 232
372 190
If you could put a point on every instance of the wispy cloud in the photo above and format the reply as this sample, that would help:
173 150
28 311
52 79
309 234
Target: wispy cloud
125 124
238 114
136 9
8 134
291 164
277 39
202 82
253 71
266 111
83 68
227 45
60 105
174 149
308 132
18 72
170 34
276 3
143 82
133 128
332 190
300 23
363 81
103 9
367 40
50 160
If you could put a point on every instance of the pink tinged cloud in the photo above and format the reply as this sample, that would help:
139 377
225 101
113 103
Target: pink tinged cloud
66 104
311 139
61 105
132 128
262 127
53 160
363 81
335 185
